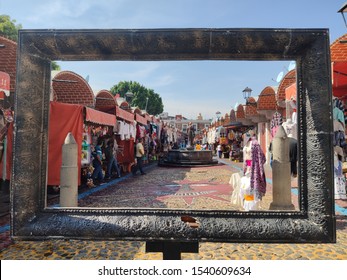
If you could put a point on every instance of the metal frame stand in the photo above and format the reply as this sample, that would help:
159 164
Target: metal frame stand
172 250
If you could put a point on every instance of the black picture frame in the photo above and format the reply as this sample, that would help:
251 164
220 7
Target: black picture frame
313 223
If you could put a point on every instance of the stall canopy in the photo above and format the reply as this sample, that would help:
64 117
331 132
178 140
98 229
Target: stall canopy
339 74
99 117
140 119
65 118
124 115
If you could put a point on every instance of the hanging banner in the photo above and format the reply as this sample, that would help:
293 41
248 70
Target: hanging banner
4 85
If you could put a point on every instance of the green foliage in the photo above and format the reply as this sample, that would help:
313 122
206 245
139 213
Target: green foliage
154 105
9 28
55 66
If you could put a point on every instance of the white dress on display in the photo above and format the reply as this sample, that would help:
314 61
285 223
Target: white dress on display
235 181
246 192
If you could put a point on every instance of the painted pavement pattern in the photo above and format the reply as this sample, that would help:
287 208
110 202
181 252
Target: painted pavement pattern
177 188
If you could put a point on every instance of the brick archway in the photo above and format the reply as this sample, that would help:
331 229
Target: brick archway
8 56
105 101
69 87
287 80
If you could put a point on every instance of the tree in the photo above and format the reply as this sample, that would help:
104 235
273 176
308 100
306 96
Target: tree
9 28
154 104
55 66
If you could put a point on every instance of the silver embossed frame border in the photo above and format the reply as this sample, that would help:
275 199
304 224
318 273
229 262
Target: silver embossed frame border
314 222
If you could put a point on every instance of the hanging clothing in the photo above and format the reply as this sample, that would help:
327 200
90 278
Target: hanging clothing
339 179
293 156
292 104
339 104
258 179
290 128
132 130
276 121
338 115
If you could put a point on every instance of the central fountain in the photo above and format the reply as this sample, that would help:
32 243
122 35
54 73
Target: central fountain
188 156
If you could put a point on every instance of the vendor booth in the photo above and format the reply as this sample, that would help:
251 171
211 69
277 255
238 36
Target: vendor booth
125 133
86 125
82 122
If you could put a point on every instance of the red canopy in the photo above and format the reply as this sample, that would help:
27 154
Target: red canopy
339 74
63 118
99 117
124 115
140 119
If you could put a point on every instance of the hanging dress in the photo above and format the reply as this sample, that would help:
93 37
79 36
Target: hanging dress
276 121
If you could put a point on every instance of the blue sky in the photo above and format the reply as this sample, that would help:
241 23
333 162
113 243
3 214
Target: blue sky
186 88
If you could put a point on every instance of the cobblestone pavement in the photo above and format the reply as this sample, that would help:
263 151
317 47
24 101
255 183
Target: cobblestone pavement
188 188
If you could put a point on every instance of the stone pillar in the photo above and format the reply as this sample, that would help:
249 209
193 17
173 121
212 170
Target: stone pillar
69 173
281 180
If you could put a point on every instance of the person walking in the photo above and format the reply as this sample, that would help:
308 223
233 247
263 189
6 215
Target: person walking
140 152
219 150
97 175
111 160
115 151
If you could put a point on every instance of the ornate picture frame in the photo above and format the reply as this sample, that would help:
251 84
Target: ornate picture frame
315 220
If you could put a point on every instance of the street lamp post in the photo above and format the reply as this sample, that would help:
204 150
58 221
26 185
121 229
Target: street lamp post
218 116
146 104
247 92
129 96
343 10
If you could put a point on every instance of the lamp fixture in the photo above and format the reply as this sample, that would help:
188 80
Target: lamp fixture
218 115
247 92
128 97
129 94
146 104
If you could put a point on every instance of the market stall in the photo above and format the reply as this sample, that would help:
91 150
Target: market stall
86 125
125 132
82 122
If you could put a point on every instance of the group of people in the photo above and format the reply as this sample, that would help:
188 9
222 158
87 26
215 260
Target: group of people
105 154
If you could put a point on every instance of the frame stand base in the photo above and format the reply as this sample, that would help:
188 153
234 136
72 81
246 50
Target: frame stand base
172 250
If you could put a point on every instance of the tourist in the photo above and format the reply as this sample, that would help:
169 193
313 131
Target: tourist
98 175
111 160
219 150
140 152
